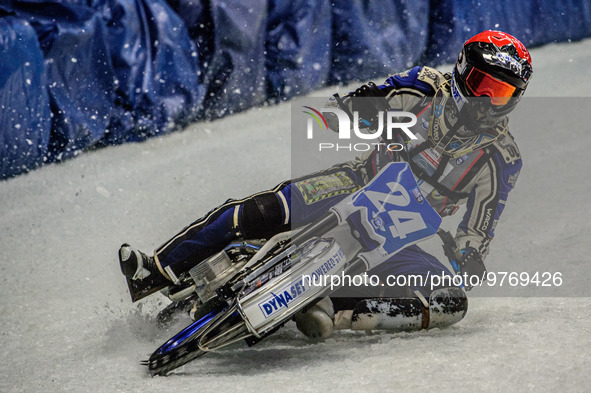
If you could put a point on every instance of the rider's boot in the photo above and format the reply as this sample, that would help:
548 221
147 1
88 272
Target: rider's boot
141 271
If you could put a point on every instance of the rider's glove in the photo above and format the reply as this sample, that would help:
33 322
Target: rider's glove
470 267
368 101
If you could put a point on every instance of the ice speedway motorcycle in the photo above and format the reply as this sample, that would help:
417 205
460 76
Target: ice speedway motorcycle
251 288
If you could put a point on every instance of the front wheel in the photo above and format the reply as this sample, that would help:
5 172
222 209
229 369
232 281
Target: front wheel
184 346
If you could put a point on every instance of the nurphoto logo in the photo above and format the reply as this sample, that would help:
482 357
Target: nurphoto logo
371 131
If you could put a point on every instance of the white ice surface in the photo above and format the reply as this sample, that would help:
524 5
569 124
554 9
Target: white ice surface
66 322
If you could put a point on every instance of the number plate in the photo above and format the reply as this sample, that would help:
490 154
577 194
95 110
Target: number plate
389 213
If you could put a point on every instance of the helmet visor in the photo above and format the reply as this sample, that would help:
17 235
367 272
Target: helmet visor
480 83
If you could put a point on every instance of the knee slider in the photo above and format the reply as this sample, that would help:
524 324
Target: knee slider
261 216
447 306
396 314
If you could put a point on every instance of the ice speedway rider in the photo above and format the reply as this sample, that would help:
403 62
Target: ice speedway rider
464 154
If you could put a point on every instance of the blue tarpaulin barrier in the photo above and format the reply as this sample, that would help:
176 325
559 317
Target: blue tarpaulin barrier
81 73
114 71
24 103
538 22
78 70
155 66
230 40
298 45
372 38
